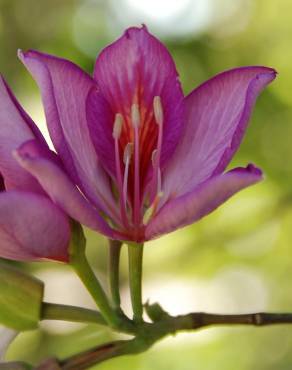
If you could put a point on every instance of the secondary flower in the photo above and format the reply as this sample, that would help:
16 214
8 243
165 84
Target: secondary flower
31 226
138 158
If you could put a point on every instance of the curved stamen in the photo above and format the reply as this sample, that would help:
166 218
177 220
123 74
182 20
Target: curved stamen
135 118
156 155
118 124
156 192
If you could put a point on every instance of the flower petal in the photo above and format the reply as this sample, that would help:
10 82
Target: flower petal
60 187
216 115
100 118
204 199
64 88
32 228
16 127
135 69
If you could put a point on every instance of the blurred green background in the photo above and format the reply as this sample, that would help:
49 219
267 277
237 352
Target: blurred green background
239 259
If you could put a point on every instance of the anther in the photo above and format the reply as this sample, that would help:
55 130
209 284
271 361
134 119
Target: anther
158 110
154 157
128 153
135 115
118 124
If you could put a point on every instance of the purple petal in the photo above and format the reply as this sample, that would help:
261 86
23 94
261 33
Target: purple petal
216 115
60 188
100 120
16 127
32 228
64 88
204 199
135 69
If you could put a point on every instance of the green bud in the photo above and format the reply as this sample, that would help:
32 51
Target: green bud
155 312
20 298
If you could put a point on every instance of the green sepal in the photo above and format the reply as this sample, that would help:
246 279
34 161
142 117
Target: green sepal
21 298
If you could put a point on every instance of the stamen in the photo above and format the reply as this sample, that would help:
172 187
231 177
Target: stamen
118 124
135 115
158 111
127 159
154 157
128 153
156 154
136 120
116 135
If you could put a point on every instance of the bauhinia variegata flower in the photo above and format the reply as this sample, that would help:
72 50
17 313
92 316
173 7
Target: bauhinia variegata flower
32 227
135 158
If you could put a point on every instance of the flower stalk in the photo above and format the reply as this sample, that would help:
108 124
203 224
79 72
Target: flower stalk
82 268
114 269
135 254
54 311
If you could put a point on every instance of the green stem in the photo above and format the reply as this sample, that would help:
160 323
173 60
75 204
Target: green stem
54 311
81 266
85 273
114 269
135 252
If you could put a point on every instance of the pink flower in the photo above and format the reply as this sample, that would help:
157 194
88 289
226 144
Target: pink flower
32 227
138 158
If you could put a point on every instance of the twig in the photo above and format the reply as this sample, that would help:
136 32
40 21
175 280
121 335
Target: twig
149 333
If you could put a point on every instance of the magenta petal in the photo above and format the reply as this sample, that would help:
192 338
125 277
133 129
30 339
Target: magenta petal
134 69
100 120
204 199
16 127
32 228
64 87
60 188
216 115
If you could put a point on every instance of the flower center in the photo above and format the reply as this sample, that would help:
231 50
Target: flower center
142 151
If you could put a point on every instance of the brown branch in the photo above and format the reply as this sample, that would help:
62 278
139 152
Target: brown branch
201 319
97 355
149 333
